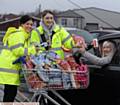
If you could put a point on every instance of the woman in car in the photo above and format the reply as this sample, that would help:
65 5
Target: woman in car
108 50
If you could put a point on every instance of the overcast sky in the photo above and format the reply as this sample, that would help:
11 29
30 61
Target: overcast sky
19 6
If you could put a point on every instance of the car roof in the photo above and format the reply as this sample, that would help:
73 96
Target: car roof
71 28
99 33
109 36
109 31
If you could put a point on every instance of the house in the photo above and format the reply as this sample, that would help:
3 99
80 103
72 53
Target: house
4 17
15 23
96 18
70 19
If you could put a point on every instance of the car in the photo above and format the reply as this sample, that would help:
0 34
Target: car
98 33
105 83
104 87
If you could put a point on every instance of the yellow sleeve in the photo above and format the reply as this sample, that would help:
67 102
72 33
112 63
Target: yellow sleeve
67 39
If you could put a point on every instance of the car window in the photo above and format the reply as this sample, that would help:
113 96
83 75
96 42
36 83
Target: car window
116 41
95 35
98 34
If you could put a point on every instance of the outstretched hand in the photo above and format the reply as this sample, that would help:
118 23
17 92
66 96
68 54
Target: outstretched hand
82 48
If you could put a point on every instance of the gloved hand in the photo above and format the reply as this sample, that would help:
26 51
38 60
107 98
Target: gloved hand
76 56
20 60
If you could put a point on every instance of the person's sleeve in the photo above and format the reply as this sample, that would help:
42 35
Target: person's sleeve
67 39
16 45
97 60
35 39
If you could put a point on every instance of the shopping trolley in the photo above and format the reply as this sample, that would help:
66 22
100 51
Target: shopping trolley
40 80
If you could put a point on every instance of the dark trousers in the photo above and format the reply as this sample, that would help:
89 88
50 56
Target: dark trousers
10 92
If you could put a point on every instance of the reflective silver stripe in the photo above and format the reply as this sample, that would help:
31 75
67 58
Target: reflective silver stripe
38 34
5 47
26 51
68 37
58 48
16 46
13 47
9 71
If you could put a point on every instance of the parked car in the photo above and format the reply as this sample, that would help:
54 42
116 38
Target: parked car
105 83
104 87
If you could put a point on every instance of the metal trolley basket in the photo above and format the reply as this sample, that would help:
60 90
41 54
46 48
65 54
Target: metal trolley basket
40 80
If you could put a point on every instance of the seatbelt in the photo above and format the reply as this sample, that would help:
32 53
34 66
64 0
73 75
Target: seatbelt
43 38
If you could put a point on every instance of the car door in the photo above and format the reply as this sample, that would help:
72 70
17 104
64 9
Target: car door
105 80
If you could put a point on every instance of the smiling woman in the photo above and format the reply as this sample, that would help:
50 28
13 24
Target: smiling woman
51 33
17 45
108 51
26 22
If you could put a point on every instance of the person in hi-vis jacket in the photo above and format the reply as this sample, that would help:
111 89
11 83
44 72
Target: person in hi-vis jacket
17 44
52 35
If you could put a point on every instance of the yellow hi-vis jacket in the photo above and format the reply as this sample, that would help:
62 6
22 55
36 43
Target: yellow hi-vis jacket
17 46
60 38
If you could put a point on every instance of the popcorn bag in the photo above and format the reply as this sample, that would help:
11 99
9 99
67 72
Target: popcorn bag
83 75
79 40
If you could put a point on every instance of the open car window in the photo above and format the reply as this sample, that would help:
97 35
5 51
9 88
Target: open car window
114 65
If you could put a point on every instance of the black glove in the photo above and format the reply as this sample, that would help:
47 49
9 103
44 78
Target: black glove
20 60
76 56
89 47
